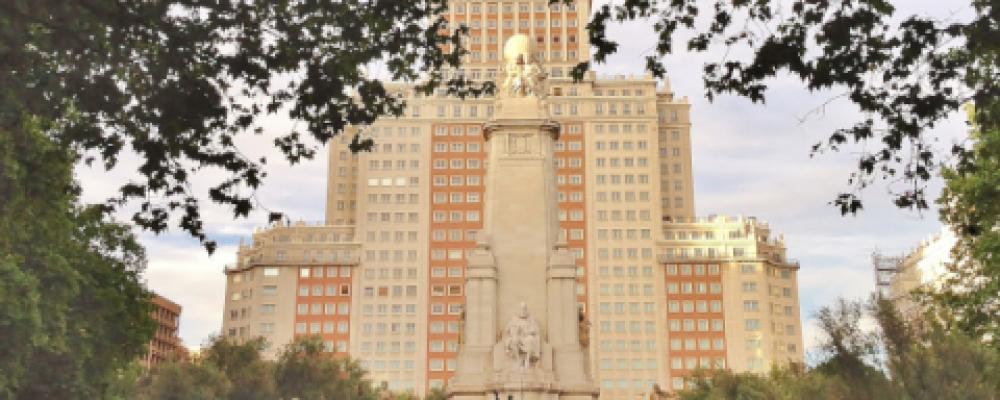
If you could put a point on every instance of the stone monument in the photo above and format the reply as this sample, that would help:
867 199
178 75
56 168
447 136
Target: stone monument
521 329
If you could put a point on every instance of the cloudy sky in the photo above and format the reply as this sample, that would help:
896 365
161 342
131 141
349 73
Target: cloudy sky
749 159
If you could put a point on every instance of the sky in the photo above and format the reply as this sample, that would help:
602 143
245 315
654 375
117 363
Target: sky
749 159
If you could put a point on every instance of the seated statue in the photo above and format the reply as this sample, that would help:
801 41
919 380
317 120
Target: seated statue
522 340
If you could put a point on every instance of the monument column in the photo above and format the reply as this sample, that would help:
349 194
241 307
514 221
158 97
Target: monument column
521 331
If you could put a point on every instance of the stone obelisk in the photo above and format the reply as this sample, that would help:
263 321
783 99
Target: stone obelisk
521 335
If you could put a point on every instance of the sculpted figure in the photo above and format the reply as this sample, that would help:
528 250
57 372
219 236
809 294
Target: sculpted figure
522 76
522 339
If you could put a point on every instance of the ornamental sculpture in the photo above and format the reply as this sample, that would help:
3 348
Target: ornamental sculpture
522 340
523 77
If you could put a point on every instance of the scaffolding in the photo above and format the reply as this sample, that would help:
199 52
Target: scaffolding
885 267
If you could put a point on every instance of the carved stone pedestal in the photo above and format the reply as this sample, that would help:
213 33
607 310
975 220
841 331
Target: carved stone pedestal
521 336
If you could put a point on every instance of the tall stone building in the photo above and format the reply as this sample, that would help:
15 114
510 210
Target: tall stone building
383 279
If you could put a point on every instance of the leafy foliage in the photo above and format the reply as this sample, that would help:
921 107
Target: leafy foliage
243 367
177 81
970 204
905 75
916 360
175 380
72 309
234 371
304 371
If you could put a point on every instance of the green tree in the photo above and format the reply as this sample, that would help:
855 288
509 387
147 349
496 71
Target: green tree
124 384
305 371
904 360
183 380
177 81
251 376
72 309
436 394
971 205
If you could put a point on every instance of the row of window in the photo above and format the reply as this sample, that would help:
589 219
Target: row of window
446 290
314 309
692 344
390 255
387 132
626 196
439 346
627 308
331 290
691 306
329 272
628 327
556 72
315 328
456 197
331 256
369 310
620 271
627 179
507 8
701 325
390 291
625 145
632 289
457 180
635 364
695 270
389 366
623 234
450 308
631 345
375 165
439 364
394 236
391 347
695 363
311 237
457 163
623 215
620 253
399 181
395 328
458 147
625 384
626 162
625 107
522 24
455 216
393 273
392 217
694 288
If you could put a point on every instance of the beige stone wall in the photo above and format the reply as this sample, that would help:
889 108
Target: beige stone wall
262 286
759 287
341 180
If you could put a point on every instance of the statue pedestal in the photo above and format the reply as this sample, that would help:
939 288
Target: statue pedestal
521 335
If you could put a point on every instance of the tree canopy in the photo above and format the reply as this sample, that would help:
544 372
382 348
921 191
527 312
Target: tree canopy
73 311
177 82
904 73
899 360
235 371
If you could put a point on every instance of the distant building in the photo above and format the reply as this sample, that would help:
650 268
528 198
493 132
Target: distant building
166 343
923 268
732 298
